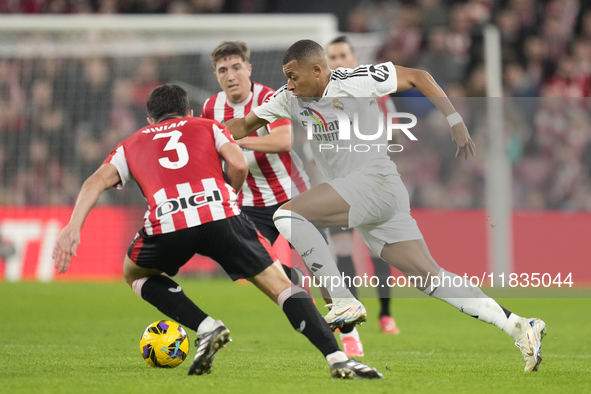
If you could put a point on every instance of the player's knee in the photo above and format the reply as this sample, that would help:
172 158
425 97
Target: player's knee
129 278
128 271
283 220
281 213
132 272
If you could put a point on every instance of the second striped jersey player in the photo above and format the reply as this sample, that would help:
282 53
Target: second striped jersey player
276 175
273 177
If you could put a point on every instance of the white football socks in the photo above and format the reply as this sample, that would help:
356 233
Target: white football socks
336 357
206 326
514 326
313 248
469 299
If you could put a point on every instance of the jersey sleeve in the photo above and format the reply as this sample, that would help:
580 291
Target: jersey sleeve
277 106
118 159
221 135
383 79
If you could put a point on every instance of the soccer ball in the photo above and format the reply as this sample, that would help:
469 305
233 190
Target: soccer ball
164 344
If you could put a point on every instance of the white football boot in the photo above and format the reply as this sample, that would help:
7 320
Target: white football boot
353 369
530 343
345 311
208 345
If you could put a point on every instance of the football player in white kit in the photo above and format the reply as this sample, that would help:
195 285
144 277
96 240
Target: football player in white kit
364 190
340 54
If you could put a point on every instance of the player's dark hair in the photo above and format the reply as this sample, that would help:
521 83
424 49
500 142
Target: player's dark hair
230 48
167 101
342 39
303 50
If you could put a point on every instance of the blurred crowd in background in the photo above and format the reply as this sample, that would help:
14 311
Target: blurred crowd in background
60 118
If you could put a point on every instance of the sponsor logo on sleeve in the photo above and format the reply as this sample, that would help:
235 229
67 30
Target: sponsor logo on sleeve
379 73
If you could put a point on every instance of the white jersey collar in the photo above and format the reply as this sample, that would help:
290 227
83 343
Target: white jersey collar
328 84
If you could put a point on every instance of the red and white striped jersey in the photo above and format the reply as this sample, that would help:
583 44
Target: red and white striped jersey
177 166
273 178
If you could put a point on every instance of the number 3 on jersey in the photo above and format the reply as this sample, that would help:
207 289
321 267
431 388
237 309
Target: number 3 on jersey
174 144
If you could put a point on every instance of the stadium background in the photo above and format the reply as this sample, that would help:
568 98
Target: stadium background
67 98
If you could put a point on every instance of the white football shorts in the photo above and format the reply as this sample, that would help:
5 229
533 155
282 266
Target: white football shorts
380 208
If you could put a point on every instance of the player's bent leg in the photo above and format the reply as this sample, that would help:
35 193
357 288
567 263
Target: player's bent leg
345 309
413 258
305 319
293 277
262 217
308 241
300 275
272 281
166 295
299 309
133 272
322 206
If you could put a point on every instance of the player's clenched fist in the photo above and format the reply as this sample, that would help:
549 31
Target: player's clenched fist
65 247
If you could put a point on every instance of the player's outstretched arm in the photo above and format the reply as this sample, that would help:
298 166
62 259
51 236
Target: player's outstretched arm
69 239
242 127
409 78
277 141
237 165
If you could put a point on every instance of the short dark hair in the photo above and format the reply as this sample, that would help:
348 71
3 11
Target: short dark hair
344 40
303 49
230 48
167 100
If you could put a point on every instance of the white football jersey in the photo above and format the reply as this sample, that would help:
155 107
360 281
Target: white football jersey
352 92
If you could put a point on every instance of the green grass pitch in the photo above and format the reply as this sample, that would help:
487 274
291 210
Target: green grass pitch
84 338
